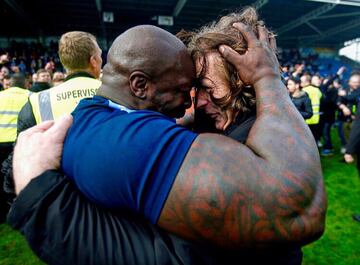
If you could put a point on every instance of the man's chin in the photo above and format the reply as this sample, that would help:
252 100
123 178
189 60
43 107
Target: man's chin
221 126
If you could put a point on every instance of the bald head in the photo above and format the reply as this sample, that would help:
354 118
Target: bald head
140 62
147 48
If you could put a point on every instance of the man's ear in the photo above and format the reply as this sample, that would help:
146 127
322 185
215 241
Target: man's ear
93 62
138 84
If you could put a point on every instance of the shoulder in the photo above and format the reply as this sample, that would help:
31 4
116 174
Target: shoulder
154 122
97 114
304 94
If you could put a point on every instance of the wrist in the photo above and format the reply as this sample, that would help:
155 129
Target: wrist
268 82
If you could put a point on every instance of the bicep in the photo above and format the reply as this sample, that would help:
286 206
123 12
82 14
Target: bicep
214 194
226 194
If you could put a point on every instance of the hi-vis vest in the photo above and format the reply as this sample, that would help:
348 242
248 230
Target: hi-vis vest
11 102
52 103
315 96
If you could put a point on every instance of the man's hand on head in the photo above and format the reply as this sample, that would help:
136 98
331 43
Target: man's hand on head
259 62
39 149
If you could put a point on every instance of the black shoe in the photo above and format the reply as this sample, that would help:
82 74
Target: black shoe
356 217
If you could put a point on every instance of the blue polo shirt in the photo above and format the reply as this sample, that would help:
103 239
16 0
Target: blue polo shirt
124 159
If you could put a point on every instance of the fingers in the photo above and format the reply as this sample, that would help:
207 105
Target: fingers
229 54
263 34
272 42
247 33
60 127
251 38
38 128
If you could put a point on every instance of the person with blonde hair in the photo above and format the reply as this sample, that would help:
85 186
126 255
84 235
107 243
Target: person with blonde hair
80 55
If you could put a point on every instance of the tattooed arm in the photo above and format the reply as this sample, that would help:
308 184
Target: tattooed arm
268 191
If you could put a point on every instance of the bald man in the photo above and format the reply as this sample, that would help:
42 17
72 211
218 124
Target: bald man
125 152
233 195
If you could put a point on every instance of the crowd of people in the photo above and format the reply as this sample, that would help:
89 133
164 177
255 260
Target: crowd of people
333 98
182 187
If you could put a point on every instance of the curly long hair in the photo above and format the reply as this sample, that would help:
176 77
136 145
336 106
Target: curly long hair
207 39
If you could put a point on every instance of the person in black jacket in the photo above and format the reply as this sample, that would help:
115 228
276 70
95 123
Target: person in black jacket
42 82
346 105
329 88
300 98
353 146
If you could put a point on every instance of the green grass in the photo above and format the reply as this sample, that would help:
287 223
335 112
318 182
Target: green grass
340 245
14 249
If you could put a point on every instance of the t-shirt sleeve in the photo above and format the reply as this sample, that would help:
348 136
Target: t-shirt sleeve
130 161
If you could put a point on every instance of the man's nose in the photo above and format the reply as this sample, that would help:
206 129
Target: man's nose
201 99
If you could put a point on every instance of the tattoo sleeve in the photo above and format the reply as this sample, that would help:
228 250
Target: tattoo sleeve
268 191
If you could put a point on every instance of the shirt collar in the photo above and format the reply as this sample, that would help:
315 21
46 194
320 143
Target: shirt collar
114 105
78 74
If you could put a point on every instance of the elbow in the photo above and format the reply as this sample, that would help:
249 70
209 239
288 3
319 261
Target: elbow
309 224
314 229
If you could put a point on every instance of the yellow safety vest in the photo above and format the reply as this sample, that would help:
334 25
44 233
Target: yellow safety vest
52 103
11 102
315 97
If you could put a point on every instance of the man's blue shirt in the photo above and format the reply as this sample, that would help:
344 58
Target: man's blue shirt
124 159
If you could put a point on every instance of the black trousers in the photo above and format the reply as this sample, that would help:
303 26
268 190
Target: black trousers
316 130
5 150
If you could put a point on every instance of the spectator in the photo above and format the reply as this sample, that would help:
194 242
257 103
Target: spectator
347 106
11 102
315 97
329 88
6 82
316 81
353 146
34 78
3 72
81 56
42 82
50 66
300 98
58 78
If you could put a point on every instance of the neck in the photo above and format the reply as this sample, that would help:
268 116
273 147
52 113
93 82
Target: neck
296 94
118 97
71 72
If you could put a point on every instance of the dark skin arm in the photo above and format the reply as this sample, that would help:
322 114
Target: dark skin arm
266 192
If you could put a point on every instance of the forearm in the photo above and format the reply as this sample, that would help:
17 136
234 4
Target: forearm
306 114
281 137
279 130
